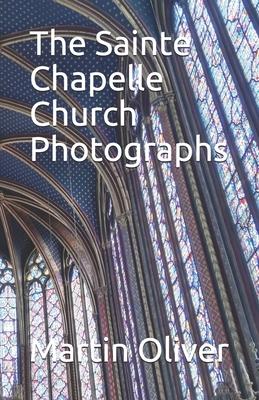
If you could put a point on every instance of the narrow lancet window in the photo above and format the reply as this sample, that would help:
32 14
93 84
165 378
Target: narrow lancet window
86 332
48 378
8 331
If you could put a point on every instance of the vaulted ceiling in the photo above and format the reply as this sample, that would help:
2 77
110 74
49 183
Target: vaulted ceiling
40 201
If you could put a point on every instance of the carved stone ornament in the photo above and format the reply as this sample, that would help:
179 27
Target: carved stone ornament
123 218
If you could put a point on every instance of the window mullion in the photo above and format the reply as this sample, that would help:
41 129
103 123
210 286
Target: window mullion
128 310
252 12
91 372
123 252
72 331
45 311
118 328
118 276
141 213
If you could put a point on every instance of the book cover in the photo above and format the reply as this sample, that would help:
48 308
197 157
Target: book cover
129 241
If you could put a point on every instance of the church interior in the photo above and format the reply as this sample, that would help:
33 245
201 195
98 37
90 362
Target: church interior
100 252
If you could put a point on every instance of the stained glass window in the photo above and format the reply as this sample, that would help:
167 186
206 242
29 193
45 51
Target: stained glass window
183 241
49 379
129 325
91 375
221 110
244 38
168 269
8 330
162 263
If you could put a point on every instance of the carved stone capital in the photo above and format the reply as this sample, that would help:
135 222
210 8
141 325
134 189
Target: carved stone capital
124 218
254 351
162 102
170 96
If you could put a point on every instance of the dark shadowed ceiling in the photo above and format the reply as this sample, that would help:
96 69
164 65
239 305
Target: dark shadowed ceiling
29 191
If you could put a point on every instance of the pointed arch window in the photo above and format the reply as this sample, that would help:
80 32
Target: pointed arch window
225 102
86 331
48 378
8 331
